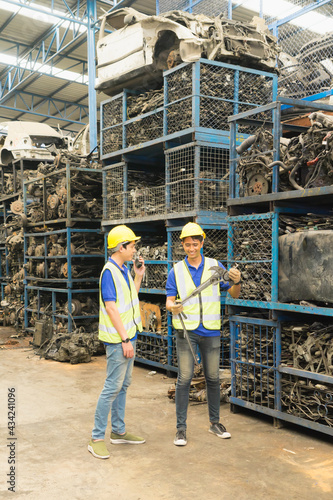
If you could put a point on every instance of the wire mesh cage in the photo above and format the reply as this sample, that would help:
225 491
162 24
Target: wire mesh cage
250 249
197 178
307 51
71 193
146 201
254 361
225 341
144 129
155 276
307 399
152 349
224 90
114 207
112 113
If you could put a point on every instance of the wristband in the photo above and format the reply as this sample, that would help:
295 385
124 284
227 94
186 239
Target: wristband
238 283
125 341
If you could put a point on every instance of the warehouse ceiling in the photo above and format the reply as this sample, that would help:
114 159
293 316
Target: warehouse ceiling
56 91
44 54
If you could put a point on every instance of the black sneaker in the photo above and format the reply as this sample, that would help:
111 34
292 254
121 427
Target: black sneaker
220 431
180 439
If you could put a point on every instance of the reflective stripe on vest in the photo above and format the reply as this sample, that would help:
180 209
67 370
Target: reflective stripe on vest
127 304
204 308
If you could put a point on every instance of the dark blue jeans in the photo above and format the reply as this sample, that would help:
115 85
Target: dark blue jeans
209 348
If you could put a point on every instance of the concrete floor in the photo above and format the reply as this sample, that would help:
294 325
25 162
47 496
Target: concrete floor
54 418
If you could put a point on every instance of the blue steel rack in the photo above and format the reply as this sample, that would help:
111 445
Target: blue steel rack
259 377
188 135
198 98
64 297
261 381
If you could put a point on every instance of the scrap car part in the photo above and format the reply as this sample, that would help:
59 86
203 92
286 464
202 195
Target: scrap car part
134 55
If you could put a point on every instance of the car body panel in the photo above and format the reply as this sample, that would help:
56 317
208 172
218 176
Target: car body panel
27 140
135 55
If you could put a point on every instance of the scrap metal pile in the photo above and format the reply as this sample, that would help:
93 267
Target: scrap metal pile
253 252
310 348
55 245
164 41
156 274
83 200
76 347
217 90
145 194
307 347
306 160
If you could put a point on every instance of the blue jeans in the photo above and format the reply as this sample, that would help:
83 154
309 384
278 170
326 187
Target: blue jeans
113 396
209 348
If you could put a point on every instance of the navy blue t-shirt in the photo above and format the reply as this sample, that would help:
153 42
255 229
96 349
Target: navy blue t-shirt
171 291
108 288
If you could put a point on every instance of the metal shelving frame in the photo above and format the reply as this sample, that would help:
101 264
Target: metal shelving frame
253 366
67 293
187 99
70 218
68 257
257 372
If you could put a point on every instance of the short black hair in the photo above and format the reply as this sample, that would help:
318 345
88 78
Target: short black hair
199 237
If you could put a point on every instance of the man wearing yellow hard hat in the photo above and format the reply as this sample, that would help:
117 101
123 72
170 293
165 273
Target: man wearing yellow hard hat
119 322
202 319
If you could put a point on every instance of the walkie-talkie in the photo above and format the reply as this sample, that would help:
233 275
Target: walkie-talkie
137 261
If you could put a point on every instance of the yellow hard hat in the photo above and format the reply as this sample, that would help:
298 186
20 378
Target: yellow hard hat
121 234
192 229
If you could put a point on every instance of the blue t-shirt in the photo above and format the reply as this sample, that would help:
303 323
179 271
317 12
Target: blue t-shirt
171 291
108 288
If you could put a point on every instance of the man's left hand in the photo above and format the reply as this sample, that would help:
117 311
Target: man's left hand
140 270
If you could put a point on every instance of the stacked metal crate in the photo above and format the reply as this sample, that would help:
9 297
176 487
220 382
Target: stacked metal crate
166 162
281 328
12 258
63 249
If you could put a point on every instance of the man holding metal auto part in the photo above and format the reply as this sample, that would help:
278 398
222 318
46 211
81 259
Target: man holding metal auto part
196 280
119 322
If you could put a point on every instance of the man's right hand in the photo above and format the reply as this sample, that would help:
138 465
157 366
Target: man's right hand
128 350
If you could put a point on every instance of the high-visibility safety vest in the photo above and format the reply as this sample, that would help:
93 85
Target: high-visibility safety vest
205 307
128 306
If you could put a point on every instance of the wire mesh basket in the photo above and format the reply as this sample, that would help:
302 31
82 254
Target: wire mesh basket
250 248
197 178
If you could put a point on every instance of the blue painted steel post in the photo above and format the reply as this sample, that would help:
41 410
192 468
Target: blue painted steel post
275 257
69 194
277 363
92 18
69 258
277 133
232 160
169 315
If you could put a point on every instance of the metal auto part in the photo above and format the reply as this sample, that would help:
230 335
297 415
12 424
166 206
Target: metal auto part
142 46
